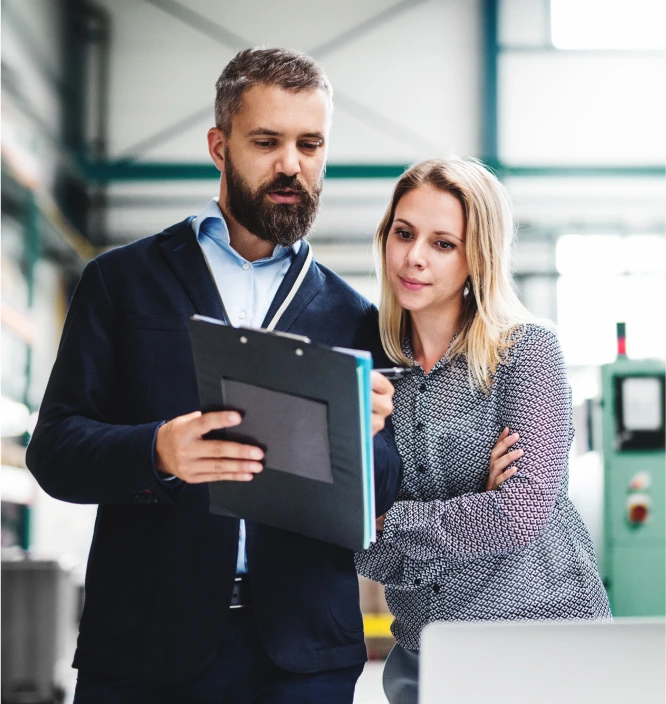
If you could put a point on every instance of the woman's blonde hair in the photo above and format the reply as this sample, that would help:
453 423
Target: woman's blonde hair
491 309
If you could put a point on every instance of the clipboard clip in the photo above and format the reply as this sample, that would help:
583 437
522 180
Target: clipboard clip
289 335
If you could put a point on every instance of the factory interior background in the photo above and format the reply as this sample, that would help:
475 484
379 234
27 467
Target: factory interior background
105 109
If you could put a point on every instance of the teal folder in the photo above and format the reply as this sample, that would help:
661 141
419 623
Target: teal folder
309 407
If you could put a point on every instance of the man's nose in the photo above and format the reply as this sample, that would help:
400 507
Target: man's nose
288 161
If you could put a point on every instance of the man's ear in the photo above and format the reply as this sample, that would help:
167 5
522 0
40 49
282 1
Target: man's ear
217 141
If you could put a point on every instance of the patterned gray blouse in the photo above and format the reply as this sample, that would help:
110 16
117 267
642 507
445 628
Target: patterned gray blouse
451 550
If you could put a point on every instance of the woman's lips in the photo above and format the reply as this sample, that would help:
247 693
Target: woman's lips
284 197
412 284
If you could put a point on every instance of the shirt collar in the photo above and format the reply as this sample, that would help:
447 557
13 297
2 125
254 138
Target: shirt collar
221 235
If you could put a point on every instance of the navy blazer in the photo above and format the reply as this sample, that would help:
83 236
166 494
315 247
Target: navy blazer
161 567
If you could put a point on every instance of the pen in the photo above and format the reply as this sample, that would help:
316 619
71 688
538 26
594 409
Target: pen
393 373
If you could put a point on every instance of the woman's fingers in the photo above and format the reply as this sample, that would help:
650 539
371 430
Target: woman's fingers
504 442
503 462
504 476
498 469
496 451
501 458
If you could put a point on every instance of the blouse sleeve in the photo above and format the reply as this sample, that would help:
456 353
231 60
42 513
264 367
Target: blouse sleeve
536 403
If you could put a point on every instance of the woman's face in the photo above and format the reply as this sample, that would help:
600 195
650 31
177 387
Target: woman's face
425 251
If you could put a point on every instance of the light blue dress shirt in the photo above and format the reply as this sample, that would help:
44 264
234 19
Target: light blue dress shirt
247 288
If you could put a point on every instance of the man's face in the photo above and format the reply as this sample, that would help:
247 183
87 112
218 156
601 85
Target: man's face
273 162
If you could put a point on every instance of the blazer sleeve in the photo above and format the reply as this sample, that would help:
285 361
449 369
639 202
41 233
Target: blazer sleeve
388 469
77 452
536 403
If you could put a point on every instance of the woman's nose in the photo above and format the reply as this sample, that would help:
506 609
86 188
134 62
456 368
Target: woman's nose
415 255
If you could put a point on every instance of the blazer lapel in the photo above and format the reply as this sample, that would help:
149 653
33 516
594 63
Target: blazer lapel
185 257
307 289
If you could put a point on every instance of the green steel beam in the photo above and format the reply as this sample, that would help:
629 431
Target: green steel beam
113 171
655 171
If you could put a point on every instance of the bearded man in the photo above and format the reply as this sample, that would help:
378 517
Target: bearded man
182 605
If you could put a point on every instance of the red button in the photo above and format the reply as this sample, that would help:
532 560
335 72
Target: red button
638 513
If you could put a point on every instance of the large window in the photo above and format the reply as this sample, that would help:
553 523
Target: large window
606 279
608 24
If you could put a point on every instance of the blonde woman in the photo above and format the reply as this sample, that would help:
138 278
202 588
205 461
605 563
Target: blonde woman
462 543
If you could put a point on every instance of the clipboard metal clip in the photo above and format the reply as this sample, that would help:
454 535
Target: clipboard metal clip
289 335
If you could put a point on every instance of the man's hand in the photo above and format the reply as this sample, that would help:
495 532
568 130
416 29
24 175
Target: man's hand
379 522
382 404
180 450
500 459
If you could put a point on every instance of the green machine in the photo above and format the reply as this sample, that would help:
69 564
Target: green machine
633 400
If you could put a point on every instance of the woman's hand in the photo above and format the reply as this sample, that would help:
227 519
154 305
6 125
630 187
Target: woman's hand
500 459
379 522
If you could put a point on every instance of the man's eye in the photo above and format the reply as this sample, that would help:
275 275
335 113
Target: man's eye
311 146
264 144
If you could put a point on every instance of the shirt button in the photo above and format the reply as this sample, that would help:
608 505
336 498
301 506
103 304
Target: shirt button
422 388
241 315
421 469
435 588
246 266
417 582
419 426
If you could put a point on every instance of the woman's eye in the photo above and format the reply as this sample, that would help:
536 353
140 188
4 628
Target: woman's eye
403 234
443 244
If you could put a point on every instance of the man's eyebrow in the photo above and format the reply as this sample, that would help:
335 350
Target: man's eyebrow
262 131
437 232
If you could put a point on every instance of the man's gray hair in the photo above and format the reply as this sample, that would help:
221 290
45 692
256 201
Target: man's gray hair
284 68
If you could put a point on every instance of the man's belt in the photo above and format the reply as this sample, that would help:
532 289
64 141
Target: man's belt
241 595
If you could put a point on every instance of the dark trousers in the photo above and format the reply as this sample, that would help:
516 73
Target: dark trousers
240 673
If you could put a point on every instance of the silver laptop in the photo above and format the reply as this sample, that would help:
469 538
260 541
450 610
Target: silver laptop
619 662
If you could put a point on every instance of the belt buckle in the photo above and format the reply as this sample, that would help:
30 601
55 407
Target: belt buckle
236 593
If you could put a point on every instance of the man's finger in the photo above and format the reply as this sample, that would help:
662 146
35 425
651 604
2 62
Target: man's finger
381 405
378 423
216 420
380 384
225 466
235 477
216 449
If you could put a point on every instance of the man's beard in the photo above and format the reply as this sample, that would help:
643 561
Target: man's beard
280 223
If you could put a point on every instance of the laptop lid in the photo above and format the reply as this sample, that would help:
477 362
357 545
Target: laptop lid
544 662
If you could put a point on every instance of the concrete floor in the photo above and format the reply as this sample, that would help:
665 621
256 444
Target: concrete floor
369 687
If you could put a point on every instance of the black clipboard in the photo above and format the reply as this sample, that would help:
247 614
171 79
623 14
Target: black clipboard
307 406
